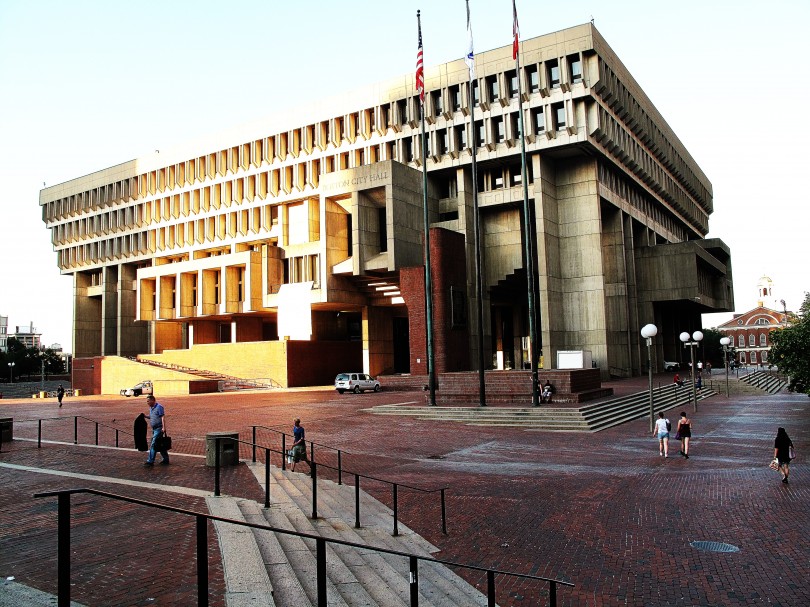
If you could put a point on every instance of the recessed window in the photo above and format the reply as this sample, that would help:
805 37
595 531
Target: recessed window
436 96
559 116
493 91
515 176
461 137
533 78
575 67
553 68
441 142
498 130
741 341
763 340
480 133
456 97
763 356
402 109
511 84
497 181
742 357
753 358
407 149
752 340
476 92
538 121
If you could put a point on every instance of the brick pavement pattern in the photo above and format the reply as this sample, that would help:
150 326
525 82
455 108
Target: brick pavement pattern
603 510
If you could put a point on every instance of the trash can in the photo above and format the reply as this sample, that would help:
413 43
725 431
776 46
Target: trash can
7 429
228 448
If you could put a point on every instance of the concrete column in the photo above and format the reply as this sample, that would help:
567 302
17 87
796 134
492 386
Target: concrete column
109 304
86 318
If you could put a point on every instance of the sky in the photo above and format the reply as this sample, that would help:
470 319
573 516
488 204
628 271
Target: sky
88 84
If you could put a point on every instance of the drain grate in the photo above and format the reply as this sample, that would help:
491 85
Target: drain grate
714 547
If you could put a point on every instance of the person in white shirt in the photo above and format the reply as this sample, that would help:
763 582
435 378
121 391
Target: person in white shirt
662 432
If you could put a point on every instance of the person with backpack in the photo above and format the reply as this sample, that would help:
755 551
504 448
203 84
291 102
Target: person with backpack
662 428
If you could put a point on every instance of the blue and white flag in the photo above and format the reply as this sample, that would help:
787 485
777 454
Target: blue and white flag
470 58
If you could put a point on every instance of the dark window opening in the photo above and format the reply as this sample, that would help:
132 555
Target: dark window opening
553 73
575 65
382 229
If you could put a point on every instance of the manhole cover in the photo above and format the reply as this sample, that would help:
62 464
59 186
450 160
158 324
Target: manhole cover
714 546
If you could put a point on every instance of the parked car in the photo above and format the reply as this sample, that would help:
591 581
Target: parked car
356 382
671 366
139 389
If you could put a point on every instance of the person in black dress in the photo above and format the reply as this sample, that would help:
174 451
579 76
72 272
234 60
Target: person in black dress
781 451
685 433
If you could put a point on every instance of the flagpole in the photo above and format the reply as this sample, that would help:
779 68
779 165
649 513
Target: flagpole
482 401
527 215
420 86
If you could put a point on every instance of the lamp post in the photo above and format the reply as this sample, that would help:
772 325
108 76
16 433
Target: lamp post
725 341
648 332
11 372
696 337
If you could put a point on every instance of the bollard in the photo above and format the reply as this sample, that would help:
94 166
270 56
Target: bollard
267 478
216 469
202 561
357 501
396 518
314 474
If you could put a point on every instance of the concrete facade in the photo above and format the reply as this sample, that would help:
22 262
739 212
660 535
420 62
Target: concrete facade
304 227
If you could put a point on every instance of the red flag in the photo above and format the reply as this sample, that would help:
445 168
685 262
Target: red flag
515 32
420 68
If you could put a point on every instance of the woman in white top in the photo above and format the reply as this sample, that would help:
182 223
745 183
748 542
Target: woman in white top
662 432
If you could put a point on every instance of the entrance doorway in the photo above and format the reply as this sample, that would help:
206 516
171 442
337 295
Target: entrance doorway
402 345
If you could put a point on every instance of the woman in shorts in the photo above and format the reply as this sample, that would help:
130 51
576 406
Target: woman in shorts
662 432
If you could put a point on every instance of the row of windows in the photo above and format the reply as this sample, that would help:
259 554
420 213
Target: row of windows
752 357
752 340
298 177
539 77
618 96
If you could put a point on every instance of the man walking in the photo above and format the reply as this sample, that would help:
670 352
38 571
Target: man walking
157 419
60 394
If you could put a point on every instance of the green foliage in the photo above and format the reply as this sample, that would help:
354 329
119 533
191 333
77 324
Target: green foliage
28 361
790 350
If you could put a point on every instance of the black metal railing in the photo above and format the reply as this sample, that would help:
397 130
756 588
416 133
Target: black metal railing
314 476
254 446
63 552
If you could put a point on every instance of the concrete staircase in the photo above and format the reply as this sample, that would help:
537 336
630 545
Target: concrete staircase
355 576
766 380
589 418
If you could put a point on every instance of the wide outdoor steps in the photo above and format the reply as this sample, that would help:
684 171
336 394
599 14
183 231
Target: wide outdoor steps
765 380
589 418
355 576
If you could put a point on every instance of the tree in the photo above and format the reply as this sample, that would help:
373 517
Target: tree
790 349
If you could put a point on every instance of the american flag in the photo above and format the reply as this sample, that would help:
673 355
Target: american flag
515 32
420 68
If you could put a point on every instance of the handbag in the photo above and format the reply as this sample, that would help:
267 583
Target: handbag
163 443
791 452
290 457
677 436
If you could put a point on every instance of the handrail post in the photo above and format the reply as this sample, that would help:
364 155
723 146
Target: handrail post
357 501
444 515
202 561
414 581
75 429
267 478
314 474
490 588
320 569
396 520
254 444
216 468
39 434
63 550
340 469
552 594
312 458
283 451
96 434
116 437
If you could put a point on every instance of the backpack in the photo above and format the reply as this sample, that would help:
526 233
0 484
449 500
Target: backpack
669 425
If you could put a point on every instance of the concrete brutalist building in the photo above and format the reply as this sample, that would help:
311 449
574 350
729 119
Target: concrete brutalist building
292 249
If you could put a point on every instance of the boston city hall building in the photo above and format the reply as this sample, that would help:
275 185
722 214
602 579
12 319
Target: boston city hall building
292 250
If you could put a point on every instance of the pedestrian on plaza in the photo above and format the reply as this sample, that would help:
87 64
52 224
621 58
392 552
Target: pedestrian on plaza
548 390
783 452
299 446
678 381
700 366
708 367
699 382
662 427
60 394
684 432
157 419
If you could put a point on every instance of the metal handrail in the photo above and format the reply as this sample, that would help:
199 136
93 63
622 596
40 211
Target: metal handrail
314 476
64 551
76 419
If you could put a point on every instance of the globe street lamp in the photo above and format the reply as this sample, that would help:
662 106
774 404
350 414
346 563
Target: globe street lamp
725 341
697 336
648 332
11 372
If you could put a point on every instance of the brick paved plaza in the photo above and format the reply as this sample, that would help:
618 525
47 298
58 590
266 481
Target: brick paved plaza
603 510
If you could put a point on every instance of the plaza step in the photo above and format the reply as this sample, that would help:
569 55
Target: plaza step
356 576
588 418
766 380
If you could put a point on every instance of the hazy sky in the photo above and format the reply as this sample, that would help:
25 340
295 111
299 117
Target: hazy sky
89 84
